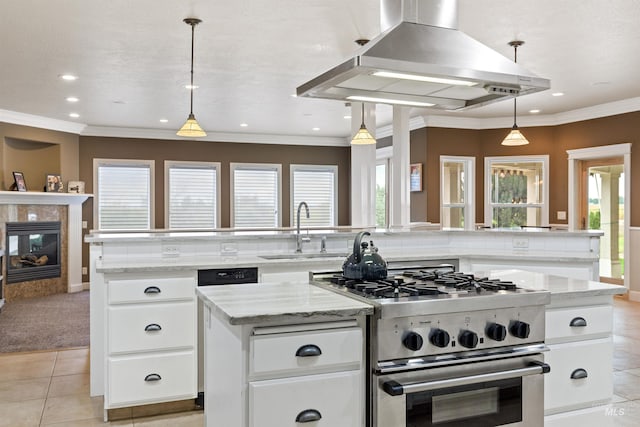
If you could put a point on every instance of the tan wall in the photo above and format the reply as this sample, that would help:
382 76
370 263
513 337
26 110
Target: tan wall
36 152
223 152
551 140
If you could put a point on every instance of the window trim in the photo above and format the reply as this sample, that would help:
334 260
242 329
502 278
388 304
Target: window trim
168 164
264 166
384 156
98 162
544 206
320 168
469 205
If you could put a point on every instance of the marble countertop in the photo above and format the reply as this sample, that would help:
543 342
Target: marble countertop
257 303
134 264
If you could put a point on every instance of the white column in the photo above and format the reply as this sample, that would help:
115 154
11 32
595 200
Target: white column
363 169
400 203
74 248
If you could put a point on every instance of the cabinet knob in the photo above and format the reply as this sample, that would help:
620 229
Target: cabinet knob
152 377
579 374
308 416
308 351
152 290
152 327
578 322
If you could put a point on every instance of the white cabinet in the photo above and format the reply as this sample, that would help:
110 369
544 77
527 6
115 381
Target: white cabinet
580 383
150 340
284 374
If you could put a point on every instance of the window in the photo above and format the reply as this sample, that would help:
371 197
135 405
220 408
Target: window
255 195
516 194
318 187
124 196
191 194
457 198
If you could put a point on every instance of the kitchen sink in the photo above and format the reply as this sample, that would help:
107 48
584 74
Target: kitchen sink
305 255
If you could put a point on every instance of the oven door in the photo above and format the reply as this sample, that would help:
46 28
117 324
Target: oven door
504 392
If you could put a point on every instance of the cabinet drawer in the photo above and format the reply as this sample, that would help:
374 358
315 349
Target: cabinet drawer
593 358
131 379
304 352
151 327
587 322
337 398
151 290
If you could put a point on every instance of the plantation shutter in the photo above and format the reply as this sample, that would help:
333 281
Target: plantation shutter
192 197
124 197
255 197
316 187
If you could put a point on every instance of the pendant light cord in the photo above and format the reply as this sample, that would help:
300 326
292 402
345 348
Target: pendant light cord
515 45
193 30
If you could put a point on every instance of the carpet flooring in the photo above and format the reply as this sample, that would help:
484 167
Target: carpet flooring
45 323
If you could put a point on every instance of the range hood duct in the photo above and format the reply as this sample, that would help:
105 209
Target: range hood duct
421 59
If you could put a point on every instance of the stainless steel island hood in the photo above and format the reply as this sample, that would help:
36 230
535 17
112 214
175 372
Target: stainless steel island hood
422 60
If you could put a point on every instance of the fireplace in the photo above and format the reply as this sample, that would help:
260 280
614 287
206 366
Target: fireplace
33 250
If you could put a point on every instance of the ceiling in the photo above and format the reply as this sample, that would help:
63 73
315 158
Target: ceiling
132 62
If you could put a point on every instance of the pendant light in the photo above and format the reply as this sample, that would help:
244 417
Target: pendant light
191 128
515 137
363 137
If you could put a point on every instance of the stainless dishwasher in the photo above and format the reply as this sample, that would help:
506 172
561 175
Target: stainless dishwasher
215 277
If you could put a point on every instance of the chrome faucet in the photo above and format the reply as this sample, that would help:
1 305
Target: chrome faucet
298 239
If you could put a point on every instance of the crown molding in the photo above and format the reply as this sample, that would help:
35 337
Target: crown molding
417 122
252 138
32 120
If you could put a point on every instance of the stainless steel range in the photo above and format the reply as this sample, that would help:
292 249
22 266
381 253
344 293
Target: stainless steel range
450 349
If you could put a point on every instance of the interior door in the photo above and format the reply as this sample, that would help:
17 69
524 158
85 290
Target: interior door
602 208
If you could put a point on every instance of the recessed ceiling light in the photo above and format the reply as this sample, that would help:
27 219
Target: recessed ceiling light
72 99
68 77
557 94
244 125
74 115
534 111
190 87
294 95
347 116
316 129
164 121
602 83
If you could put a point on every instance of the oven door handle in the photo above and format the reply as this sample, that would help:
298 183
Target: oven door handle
394 388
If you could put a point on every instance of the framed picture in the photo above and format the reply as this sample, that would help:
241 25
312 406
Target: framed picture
415 177
54 184
19 183
75 187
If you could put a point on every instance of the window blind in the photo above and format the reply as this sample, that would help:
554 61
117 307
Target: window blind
192 197
124 197
255 197
316 187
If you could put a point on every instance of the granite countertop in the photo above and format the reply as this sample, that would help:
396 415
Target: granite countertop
257 303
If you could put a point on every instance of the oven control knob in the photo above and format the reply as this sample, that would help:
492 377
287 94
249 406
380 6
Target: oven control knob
519 329
468 339
439 338
496 331
413 341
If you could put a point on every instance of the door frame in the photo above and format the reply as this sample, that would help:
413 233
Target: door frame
575 184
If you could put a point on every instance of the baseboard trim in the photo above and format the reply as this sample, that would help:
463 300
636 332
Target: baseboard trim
634 296
75 287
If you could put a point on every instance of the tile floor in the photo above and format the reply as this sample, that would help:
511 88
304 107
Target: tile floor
52 388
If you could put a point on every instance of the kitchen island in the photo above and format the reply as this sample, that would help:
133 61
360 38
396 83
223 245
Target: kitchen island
578 333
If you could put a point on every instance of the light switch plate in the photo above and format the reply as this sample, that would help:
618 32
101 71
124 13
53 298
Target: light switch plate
562 215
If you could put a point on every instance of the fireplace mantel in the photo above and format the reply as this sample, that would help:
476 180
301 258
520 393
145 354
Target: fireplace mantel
41 198
74 247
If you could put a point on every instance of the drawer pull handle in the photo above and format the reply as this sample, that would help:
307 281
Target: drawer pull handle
308 350
308 416
152 290
578 322
579 374
152 327
152 377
